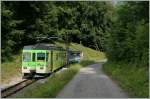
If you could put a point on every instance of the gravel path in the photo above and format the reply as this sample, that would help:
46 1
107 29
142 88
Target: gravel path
92 82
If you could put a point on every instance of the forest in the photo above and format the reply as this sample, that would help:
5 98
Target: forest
120 30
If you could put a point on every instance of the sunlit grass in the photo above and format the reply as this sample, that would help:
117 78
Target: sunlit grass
10 69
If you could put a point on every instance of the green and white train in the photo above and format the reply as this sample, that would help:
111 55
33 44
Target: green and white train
42 59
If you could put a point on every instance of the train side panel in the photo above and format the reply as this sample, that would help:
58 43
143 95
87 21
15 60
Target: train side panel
42 61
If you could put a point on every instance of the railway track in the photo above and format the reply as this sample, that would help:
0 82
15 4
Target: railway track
17 87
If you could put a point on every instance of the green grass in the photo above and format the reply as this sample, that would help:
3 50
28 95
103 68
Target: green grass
131 78
10 69
85 63
53 85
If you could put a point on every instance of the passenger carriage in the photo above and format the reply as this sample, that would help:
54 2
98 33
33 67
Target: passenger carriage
75 56
42 59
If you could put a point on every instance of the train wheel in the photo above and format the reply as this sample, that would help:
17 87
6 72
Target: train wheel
48 74
25 75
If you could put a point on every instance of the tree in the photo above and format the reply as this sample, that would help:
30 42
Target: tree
10 35
128 36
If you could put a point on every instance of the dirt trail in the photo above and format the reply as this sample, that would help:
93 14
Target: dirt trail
92 82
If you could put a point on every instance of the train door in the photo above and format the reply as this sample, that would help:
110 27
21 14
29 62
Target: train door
33 60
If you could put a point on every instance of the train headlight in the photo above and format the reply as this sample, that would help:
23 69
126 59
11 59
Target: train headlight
41 67
24 67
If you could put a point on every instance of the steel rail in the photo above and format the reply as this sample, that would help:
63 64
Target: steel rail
17 87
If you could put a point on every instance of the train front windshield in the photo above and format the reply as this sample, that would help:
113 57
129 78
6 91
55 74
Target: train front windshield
40 56
26 56
75 54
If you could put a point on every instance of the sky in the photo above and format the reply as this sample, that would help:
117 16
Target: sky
114 2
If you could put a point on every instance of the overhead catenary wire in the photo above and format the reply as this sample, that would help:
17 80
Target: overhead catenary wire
67 43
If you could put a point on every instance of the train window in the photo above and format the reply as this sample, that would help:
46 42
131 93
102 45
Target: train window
26 56
78 54
33 57
41 56
46 56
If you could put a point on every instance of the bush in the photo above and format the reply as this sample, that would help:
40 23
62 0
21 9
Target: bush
133 79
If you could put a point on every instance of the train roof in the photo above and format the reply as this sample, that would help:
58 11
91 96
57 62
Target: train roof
42 46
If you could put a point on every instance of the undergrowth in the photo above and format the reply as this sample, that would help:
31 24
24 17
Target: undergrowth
131 78
10 69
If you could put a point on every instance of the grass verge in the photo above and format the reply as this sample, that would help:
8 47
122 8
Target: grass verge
11 69
53 85
131 78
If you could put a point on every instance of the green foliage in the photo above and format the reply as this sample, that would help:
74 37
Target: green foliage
8 32
128 39
123 30
126 46
131 78
22 22
11 69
